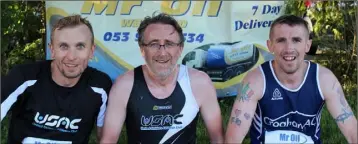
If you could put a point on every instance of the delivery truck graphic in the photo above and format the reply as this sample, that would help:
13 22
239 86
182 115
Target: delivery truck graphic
223 61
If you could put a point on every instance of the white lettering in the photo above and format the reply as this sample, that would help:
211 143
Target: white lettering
73 122
286 136
159 122
288 123
55 121
63 121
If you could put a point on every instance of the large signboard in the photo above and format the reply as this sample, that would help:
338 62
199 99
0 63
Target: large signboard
225 39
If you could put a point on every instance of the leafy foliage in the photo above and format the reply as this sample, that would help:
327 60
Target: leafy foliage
295 7
22 38
22 32
334 25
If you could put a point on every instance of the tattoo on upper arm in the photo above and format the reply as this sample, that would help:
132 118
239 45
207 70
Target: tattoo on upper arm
346 111
244 92
235 119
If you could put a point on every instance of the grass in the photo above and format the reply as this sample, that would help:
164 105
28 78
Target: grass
330 132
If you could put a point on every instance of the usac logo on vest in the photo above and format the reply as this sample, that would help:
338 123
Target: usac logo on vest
55 122
161 122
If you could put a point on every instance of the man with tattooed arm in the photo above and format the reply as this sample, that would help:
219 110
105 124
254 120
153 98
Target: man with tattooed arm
281 101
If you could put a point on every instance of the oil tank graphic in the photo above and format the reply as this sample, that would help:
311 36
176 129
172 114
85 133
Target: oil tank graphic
223 61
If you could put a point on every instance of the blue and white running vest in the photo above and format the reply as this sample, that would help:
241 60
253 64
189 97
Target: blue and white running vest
286 115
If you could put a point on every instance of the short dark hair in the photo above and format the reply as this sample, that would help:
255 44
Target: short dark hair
71 21
161 18
290 20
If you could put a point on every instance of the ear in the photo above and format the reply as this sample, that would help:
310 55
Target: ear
269 45
52 50
142 51
308 45
181 50
92 50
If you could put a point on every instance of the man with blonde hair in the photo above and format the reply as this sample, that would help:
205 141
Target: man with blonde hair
58 100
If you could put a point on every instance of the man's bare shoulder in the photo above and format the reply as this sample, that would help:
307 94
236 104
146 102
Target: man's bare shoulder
125 80
326 76
327 80
255 81
198 77
202 86
125 77
254 76
325 72
121 89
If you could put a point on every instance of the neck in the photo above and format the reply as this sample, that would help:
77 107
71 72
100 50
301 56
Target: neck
161 81
61 80
290 80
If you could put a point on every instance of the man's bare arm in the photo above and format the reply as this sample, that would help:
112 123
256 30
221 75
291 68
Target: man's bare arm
116 109
205 91
100 118
337 105
243 110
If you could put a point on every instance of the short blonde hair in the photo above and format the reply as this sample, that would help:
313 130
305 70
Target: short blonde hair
71 21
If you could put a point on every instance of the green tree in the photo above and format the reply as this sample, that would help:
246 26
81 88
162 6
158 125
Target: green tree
334 27
22 33
22 37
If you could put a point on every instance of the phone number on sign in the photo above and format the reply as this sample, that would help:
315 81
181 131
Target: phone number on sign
125 36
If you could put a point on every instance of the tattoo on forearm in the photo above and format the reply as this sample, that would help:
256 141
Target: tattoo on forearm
345 115
245 92
346 111
247 116
237 112
235 119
